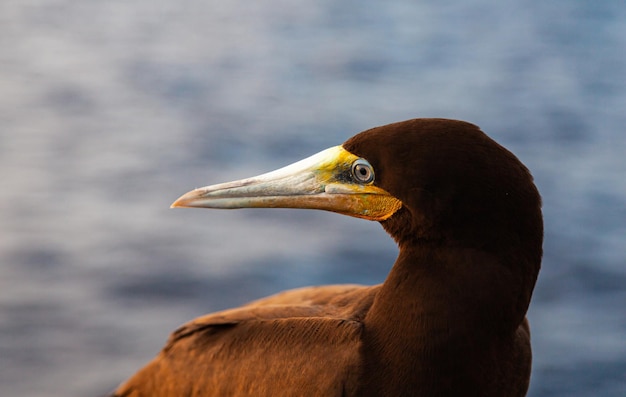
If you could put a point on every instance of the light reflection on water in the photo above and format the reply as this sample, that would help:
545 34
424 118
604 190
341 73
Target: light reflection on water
110 111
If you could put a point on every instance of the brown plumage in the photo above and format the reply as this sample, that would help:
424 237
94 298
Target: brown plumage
449 320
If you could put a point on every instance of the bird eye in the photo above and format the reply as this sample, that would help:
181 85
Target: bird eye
362 171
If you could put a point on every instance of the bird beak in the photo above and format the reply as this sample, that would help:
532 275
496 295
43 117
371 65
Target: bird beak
323 181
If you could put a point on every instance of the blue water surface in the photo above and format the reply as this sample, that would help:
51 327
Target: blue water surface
111 110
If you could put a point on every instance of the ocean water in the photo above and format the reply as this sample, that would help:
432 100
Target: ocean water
110 110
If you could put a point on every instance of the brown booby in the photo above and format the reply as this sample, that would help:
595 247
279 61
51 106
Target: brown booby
449 320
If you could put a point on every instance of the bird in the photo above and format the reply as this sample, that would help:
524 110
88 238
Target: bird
448 320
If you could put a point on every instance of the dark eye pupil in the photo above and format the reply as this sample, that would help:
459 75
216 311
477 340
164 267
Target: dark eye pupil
363 171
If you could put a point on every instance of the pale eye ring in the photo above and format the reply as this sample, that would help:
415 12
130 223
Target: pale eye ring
362 171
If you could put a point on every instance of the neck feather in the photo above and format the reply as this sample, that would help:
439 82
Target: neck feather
438 316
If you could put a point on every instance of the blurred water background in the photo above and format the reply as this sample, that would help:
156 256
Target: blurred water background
109 110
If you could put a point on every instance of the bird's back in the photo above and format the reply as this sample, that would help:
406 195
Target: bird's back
299 342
